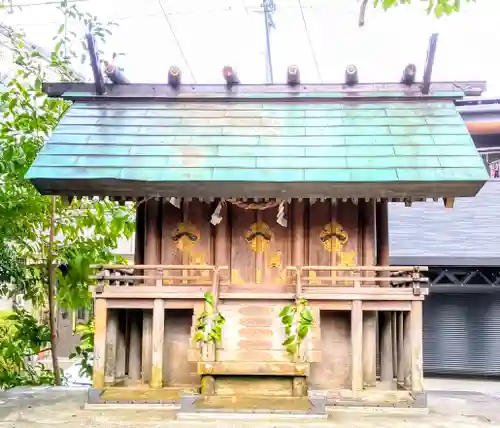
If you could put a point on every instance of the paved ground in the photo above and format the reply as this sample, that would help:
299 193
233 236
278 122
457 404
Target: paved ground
453 404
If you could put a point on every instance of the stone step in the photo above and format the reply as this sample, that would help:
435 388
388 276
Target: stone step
252 405
251 416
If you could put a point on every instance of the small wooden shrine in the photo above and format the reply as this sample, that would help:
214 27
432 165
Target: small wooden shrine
261 263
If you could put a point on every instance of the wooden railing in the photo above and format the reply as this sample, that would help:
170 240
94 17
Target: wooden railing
358 276
312 278
157 275
177 283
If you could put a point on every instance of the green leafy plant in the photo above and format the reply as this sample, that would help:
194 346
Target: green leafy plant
21 338
209 323
85 350
438 7
298 320
86 230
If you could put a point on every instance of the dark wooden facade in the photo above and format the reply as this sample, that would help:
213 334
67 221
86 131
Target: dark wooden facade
251 243
334 250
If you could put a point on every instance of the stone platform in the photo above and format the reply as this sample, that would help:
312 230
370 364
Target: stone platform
264 407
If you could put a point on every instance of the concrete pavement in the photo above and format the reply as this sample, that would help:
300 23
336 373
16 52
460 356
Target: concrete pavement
452 404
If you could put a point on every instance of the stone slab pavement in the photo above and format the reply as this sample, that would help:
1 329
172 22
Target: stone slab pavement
452 404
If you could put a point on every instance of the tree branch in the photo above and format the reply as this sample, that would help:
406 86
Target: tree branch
39 352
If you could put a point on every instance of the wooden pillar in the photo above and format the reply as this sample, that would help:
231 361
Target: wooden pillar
100 309
134 359
401 358
407 350
357 346
259 255
369 317
394 331
416 326
369 348
140 214
382 232
121 347
153 237
297 227
382 221
386 369
147 331
156 380
151 257
368 235
207 385
221 244
111 347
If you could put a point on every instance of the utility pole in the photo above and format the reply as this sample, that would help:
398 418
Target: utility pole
269 7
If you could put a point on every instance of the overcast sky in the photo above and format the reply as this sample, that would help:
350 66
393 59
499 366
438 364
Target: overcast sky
320 36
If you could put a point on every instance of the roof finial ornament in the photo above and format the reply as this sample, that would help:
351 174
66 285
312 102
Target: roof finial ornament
351 75
409 74
174 76
114 74
293 75
230 76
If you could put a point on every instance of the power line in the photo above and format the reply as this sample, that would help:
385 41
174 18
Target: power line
177 41
310 41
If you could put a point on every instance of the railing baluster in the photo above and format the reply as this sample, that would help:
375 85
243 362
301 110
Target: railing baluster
159 277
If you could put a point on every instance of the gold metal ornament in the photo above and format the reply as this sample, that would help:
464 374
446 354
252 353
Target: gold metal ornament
275 260
333 237
258 236
185 236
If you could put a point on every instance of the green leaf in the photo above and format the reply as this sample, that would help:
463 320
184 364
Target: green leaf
287 320
306 315
302 331
439 10
285 311
291 348
448 8
288 340
198 337
209 299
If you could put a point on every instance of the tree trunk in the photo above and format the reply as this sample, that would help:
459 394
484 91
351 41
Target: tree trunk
52 297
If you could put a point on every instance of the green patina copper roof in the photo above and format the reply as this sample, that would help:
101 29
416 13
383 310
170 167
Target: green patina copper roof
254 148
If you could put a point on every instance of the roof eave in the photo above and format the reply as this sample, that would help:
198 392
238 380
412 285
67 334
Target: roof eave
280 190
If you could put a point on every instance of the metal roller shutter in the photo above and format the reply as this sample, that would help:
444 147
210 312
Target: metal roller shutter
461 334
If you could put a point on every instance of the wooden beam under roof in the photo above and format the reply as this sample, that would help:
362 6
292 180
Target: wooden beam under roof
322 92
